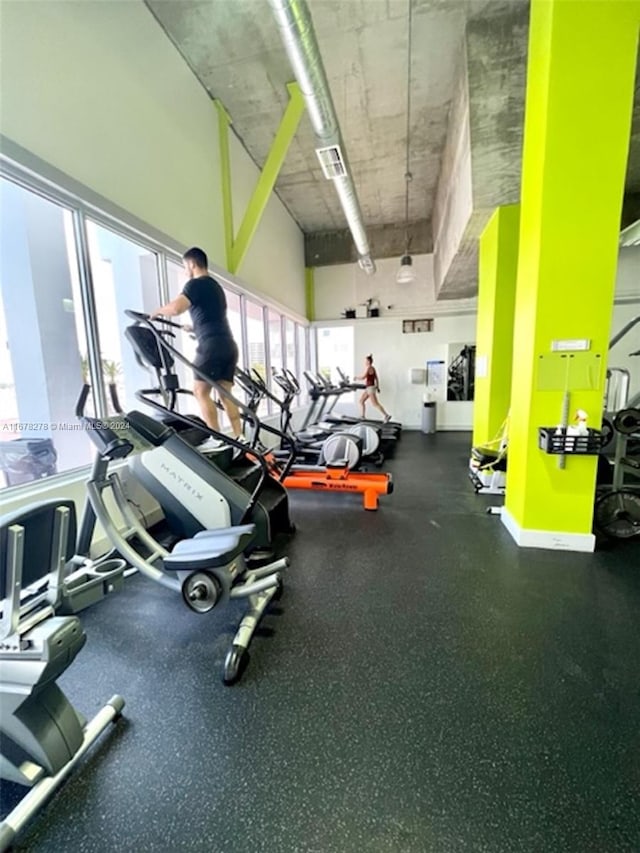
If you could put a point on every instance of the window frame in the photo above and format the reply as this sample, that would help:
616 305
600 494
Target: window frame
34 175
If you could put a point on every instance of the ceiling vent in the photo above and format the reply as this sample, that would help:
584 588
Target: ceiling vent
331 161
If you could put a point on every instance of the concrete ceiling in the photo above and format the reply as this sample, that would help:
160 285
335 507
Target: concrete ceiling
235 50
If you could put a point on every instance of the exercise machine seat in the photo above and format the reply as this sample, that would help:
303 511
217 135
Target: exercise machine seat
210 549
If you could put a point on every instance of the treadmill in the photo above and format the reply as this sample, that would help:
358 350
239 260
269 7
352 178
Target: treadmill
320 388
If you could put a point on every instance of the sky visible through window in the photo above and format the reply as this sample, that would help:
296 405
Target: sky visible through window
43 331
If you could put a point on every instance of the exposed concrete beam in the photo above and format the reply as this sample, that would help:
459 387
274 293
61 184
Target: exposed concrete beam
325 248
481 164
453 205
460 280
482 158
497 66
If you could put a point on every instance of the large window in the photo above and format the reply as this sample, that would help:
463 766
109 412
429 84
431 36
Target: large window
235 320
255 338
275 339
67 276
184 341
303 355
42 340
312 347
303 363
290 344
255 344
335 349
276 352
125 276
8 396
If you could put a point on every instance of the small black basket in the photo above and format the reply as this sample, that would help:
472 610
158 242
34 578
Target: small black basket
553 441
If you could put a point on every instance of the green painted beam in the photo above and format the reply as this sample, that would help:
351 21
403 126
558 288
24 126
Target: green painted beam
310 292
224 120
268 176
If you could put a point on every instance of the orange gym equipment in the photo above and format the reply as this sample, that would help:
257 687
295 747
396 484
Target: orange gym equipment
340 479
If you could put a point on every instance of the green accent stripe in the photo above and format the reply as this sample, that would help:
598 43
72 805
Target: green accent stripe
268 176
310 292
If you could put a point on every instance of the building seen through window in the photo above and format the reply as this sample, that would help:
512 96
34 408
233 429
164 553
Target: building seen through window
47 288
42 340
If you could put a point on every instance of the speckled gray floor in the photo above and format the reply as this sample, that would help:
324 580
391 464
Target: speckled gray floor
427 687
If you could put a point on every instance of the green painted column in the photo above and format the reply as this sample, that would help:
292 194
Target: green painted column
497 271
310 292
580 85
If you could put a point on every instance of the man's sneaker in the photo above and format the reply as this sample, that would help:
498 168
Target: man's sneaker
211 444
242 439
387 418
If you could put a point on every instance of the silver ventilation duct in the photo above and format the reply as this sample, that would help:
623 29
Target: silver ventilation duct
296 28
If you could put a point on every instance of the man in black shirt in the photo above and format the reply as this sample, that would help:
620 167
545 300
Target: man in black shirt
217 352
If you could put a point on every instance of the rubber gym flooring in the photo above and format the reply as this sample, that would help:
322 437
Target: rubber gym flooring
427 686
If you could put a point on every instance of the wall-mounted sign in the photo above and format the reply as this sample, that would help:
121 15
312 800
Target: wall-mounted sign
409 326
579 345
436 373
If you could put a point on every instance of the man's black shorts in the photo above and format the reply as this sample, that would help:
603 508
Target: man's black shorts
216 358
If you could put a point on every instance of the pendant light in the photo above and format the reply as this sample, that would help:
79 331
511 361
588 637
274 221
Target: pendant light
406 274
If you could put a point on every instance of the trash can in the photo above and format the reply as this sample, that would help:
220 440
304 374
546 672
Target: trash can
428 417
24 460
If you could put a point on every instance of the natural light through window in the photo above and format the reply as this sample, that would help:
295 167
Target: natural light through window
47 288
41 339
335 349
125 276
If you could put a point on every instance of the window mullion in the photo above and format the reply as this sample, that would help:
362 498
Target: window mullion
244 343
90 314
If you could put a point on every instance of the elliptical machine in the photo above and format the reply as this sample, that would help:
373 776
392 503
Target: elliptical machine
284 474
389 429
334 476
368 434
314 446
322 393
